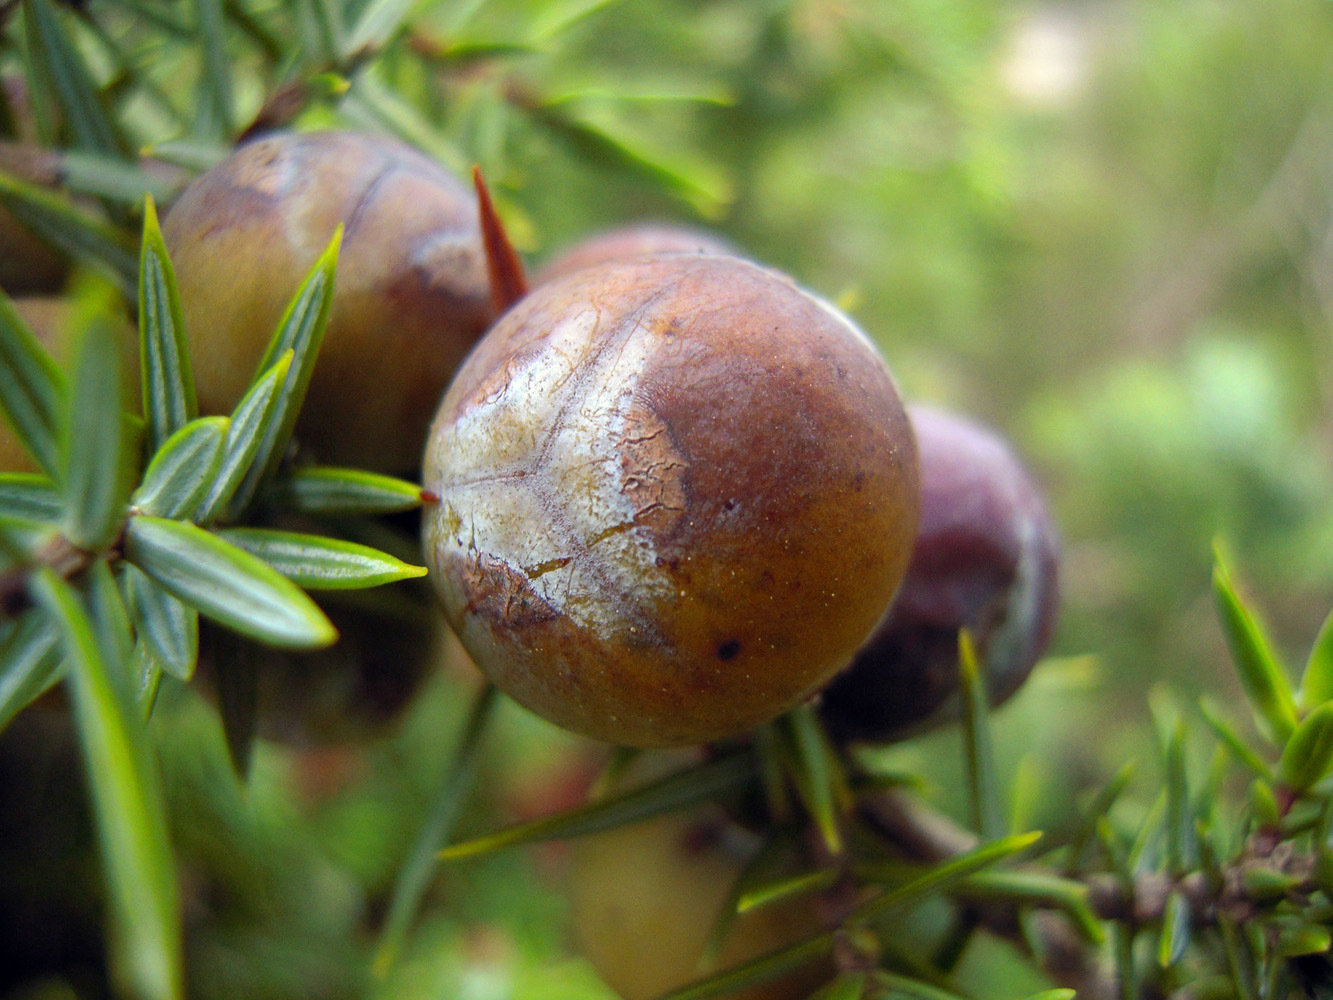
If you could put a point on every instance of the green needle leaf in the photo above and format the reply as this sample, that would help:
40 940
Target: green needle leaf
414 876
183 470
168 628
903 986
225 583
982 783
72 230
1308 755
1239 749
237 668
217 66
379 21
1179 822
328 491
63 70
1303 939
1317 678
168 381
816 774
127 800
675 791
32 388
30 663
796 885
944 875
760 970
603 141
28 497
301 332
1263 804
245 436
318 563
848 986
114 179
1038 889
1175 937
1097 809
98 465
1266 685
111 625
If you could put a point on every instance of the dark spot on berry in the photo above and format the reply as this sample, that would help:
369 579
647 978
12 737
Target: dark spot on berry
728 649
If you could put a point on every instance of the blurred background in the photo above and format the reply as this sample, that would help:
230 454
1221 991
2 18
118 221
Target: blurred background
1105 227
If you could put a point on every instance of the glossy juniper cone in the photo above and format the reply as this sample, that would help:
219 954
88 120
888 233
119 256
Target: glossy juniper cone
411 296
632 241
985 558
676 494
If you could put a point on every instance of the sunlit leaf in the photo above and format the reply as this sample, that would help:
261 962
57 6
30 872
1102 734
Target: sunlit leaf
318 563
127 800
674 792
168 380
225 583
